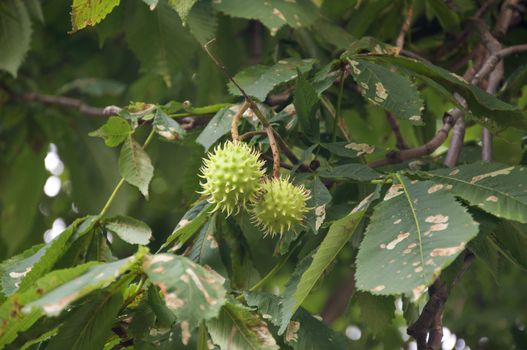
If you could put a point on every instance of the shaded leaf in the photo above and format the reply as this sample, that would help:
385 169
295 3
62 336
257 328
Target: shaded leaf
135 165
88 13
97 277
236 328
306 105
258 81
129 229
114 131
417 231
89 326
448 18
487 109
272 13
388 89
498 189
202 21
377 312
352 171
192 292
15 35
158 46
341 149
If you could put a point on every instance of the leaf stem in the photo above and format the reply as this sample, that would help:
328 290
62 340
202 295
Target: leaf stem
339 105
120 184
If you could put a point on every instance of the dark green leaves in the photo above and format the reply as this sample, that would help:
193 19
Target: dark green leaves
129 229
182 7
390 90
135 166
417 230
192 292
306 105
114 131
15 35
258 81
89 326
272 13
498 189
352 171
88 13
489 110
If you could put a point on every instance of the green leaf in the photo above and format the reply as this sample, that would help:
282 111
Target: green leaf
163 47
89 326
13 320
189 224
258 81
14 269
192 292
377 312
339 234
236 328
88 13
448 18
114 131
487 109
97 277
182 7
417 231
15 35
135 166
202 21
306 105
390 90
167 127
272 13
352 171
498 189
218 126
164 316
129 229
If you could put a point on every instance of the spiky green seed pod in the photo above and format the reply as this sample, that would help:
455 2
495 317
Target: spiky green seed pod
280 206
232 173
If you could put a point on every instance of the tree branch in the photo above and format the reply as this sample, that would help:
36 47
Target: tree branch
69 102
395 157
236 119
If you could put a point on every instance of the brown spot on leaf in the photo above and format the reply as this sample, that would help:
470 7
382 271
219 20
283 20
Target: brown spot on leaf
492 199
400 237
448 251
185 332
437 219
378 288
435 188
291 334
505 171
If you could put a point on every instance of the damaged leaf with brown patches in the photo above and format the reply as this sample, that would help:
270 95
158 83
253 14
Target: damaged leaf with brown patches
413 234
192 292
498 189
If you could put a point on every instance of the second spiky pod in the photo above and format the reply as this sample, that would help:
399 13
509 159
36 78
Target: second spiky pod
233 176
